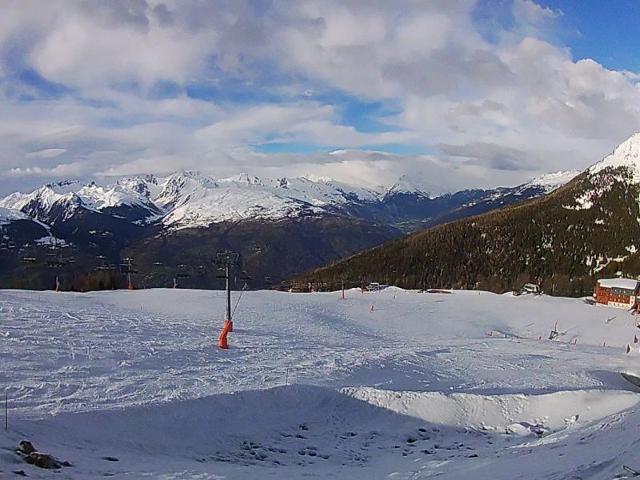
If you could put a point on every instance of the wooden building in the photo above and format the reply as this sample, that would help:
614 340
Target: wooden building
617 292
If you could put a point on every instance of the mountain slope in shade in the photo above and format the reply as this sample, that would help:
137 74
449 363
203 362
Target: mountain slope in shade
280 226
476 202
57 203
17 228
565 240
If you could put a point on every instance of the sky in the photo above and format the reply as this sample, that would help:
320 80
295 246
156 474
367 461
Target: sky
451 94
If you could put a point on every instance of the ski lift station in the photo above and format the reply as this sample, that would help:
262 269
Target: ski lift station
617 292
375 287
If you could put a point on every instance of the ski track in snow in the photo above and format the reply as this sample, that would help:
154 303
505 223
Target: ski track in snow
465 385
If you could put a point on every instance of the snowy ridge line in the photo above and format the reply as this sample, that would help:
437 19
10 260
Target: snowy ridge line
551 181
191 199
627 154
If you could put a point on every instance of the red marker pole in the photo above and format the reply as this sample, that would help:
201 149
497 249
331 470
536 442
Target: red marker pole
228 323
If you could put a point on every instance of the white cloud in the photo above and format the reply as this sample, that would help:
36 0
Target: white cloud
46 153
486 112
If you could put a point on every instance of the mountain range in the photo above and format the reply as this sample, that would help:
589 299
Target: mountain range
587 229
172 226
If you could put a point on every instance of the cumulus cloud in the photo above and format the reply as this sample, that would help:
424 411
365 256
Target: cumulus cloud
135 86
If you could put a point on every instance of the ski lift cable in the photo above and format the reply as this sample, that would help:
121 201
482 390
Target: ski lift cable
238 301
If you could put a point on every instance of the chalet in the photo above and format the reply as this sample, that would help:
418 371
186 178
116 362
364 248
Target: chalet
617 292
375 287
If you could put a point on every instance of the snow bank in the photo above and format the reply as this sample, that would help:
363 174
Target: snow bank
499 412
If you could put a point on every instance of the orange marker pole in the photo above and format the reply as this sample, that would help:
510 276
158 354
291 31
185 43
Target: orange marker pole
227 327
222 338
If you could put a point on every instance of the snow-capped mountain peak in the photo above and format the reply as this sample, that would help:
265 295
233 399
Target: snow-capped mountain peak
405 185
190 199
242 179
627 154
98 197
39 203
146 185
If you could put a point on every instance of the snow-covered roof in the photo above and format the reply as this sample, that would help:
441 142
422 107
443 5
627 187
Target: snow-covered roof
624 283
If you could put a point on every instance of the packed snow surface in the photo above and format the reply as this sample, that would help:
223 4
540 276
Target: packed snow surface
392 384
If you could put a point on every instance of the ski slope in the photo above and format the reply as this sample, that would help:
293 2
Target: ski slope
392 384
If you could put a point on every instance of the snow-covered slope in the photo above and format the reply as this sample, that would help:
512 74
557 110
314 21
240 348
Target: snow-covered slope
191 199
100 197
627 154
459 385
8 215
618 170
58 202
40 203
550 181
405 186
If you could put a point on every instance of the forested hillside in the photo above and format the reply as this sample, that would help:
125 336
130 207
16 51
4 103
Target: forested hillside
564 241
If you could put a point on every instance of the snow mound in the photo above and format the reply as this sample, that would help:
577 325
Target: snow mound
300 427
289 426
499 412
